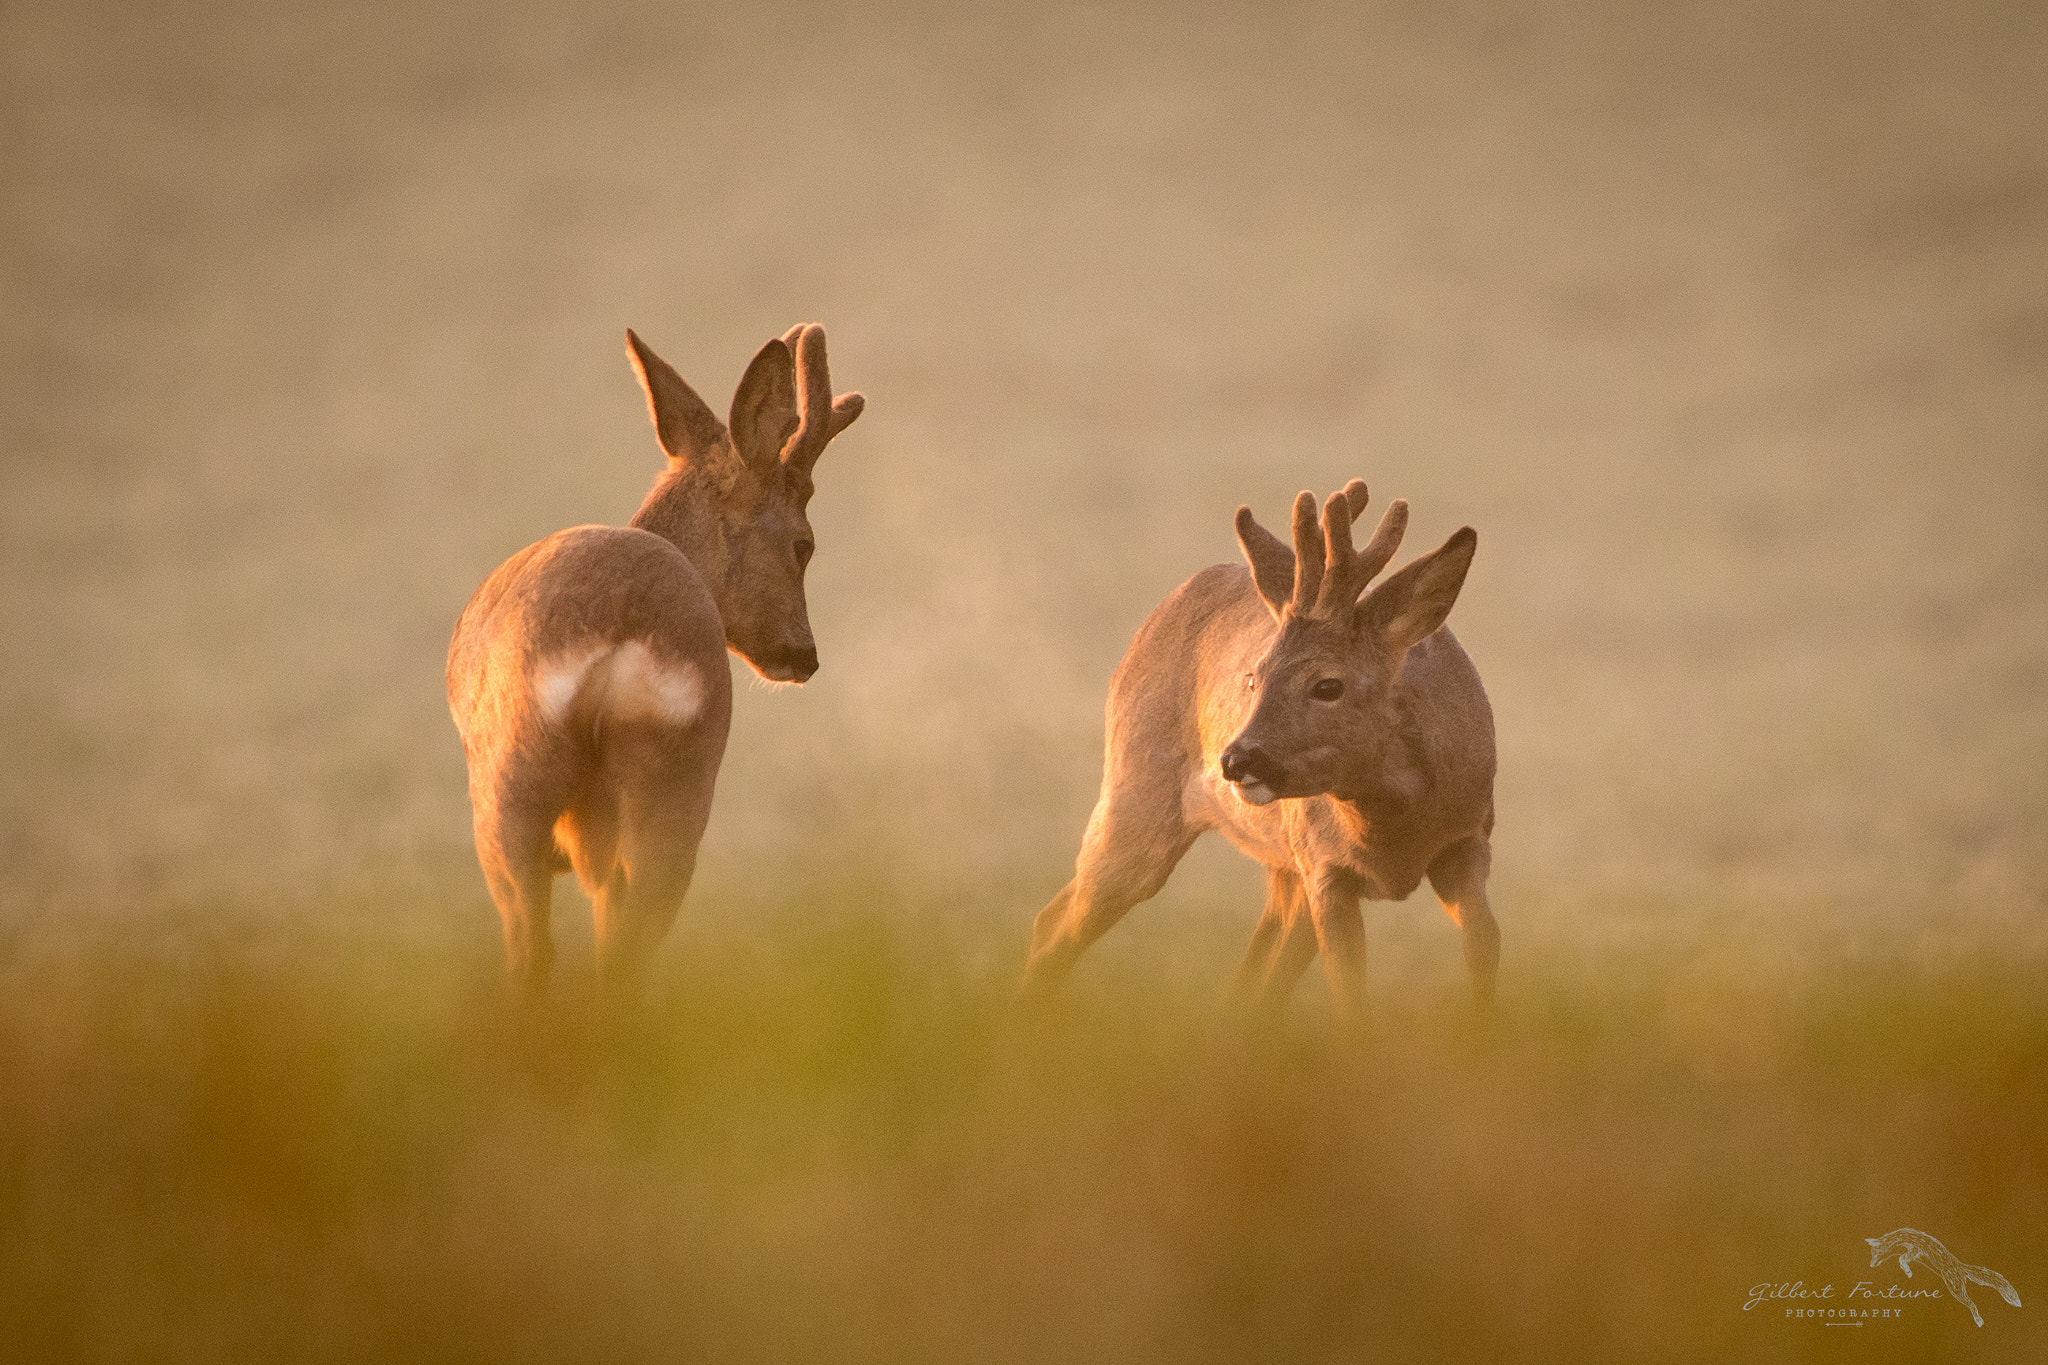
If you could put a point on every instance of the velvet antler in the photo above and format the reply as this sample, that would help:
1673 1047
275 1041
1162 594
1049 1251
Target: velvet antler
1323 574
819 416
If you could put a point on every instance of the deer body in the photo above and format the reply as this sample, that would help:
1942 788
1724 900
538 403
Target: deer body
1214 721
587 675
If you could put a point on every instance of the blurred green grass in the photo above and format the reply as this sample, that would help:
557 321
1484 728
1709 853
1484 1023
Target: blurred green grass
835 1136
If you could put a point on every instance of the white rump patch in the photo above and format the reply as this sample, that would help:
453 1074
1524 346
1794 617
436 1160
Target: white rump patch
636 685
557 677
644 687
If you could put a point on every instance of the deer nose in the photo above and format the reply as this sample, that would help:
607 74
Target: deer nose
1248 763
804 661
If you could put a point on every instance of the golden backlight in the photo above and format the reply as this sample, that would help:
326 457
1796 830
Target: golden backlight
1726 327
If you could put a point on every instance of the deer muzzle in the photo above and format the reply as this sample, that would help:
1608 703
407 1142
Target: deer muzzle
789 664
1252 773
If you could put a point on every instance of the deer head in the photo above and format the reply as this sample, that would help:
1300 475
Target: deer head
1326 714
733 496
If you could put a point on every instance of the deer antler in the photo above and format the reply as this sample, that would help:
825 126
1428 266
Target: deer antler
820 417
1323 574
1309 556
1328 573
1379 551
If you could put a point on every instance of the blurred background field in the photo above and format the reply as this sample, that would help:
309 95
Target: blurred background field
842 1142
1726 325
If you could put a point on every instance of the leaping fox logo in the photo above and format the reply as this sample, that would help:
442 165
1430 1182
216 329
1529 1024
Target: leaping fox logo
1910 1246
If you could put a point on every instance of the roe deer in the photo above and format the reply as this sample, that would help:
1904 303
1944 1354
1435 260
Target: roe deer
587 675
1337 735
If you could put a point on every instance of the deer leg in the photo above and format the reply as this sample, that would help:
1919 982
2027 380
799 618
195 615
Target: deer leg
1282 946
1271 929
518 859
631 917
1114 872
664 802
1458 876
635 908
1340 935
1049 922
1290 958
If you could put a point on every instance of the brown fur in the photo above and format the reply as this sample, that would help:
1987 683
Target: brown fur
587 675
1357 796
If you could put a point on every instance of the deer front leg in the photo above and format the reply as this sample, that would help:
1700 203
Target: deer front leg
1458 876
1271 928
1282 946
1340 935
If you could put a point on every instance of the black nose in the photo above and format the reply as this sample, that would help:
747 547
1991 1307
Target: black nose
805 661
1249 763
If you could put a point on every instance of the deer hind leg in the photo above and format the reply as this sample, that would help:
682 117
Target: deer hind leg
1282 946
518 859
1458 876
634 909
1126 856
663 789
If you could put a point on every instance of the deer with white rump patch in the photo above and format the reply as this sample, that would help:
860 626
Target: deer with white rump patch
587 675
1336 734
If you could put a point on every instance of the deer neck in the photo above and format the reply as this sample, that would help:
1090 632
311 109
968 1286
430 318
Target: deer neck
685 513
1401 779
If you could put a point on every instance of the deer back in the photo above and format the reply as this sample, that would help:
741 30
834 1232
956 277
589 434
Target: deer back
591 613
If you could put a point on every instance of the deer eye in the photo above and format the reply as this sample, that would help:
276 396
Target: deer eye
1329 689
804 550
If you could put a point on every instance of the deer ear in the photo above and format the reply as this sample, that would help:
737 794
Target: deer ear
1414 602
684 426
1272 562
764 407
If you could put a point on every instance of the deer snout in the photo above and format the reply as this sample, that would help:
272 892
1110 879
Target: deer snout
1253 771
786 661
795 663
